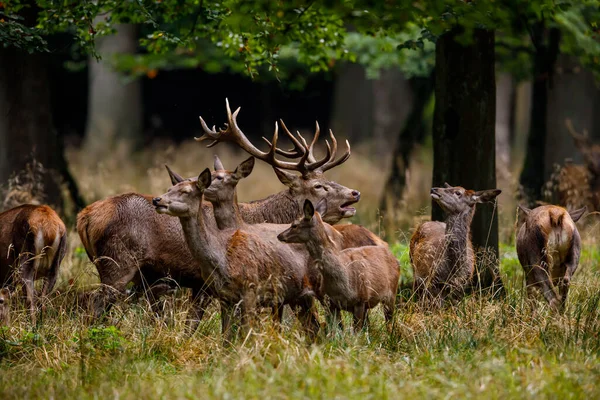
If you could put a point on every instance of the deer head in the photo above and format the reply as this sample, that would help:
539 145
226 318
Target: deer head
222 187
305 228
310 183
183 199
456 199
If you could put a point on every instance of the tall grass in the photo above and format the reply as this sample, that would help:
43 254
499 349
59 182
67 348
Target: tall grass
477 348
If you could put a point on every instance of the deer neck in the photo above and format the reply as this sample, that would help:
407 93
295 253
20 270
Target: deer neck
279 208
205 246
227 213
325 253
458 234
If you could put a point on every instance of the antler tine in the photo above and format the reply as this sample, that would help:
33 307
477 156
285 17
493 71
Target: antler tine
297 151
331 163
208 134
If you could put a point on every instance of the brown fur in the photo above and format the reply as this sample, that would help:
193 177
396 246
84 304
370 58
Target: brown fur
241 265
548 246
4 307
441 253
129 242
33 242
354 279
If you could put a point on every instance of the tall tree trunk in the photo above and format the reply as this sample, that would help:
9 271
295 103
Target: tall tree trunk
546 52
411 134
392 99
463 135
352 103
504 124
114 107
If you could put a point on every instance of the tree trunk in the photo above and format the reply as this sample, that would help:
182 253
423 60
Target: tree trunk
463 135
352 104
411 134
504 125
27 134
114 107
532 175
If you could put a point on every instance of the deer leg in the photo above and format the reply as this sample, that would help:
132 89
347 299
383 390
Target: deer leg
227 312
27 274
278 313
200 301
542 281
309 318
388 312
360 314
248 311
334 319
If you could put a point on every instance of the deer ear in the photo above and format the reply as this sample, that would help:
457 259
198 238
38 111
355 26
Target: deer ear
524 209
175 177
577 214
218 164
244 169
321 207
286 178
204 179
446 185
309 210
484 196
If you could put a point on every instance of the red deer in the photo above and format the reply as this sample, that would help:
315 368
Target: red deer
441 253
128 241
4 307
310 184
354 279
241 265
33 242
548 246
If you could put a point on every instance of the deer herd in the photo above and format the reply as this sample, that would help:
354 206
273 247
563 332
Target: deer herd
285 249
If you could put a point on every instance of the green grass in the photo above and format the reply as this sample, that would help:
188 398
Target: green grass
478 348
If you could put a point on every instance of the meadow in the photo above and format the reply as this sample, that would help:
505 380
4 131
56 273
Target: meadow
481 347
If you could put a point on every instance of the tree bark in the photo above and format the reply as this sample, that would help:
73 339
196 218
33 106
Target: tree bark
463 135
532 175
504 124
411 134
114 107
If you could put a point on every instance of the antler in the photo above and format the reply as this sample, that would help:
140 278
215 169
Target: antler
581 140
325 163
307 162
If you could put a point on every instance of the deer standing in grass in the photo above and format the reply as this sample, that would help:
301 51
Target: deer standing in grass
354 279
33 242
548 246
129 242
4 307
243 266
441 253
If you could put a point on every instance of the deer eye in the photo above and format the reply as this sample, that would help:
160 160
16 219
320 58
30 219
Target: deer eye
318 186
294 226
457 193
220 178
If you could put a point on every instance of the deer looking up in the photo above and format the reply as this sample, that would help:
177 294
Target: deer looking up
441 253
311 184
354 279
241 265
548 246
33 242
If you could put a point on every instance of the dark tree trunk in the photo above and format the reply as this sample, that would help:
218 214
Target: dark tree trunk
546 52
463 135
411 134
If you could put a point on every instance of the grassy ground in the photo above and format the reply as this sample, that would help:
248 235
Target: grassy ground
478 348
481 347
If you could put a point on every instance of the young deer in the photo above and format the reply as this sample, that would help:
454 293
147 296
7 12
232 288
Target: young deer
242 266
548 246
4 307
441 253
354 279
33 241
